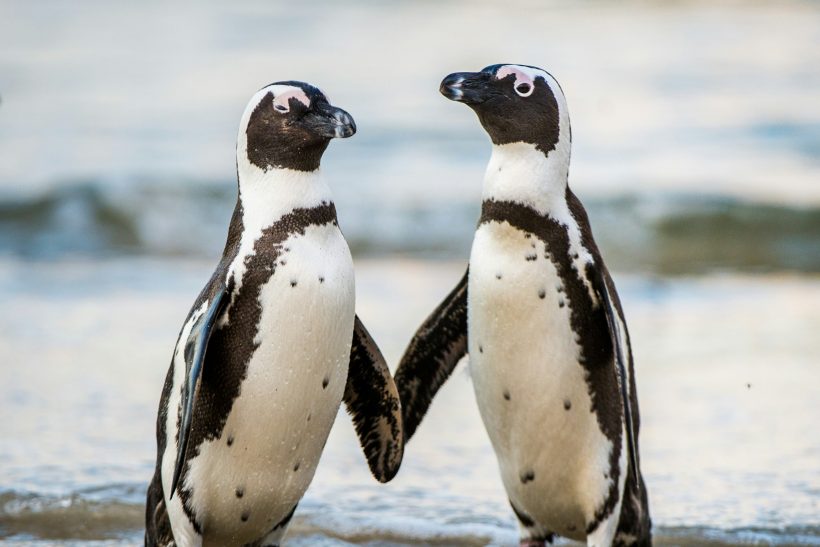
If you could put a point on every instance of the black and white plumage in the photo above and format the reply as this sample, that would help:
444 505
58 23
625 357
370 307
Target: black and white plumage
538 313
271 346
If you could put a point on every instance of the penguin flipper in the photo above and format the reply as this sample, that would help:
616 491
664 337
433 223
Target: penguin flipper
435 350
613 323
195 348
373 401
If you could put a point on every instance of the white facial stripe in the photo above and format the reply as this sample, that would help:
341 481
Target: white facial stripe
521 77
532 74
528 71
281 99
278 91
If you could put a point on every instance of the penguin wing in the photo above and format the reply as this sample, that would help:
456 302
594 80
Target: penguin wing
435 350
372 400
195 348
614 320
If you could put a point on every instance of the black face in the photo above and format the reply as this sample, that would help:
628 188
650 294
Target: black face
511 108
287 133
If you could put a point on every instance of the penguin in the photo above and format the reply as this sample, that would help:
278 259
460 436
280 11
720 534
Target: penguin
271 346
537 312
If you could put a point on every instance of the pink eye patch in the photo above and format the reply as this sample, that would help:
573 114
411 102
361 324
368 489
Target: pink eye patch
281 101
524 84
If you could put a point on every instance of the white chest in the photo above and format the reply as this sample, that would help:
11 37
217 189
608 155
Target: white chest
530 387
250 477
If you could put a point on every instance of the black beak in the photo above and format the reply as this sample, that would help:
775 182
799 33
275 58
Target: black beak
466 87
330 122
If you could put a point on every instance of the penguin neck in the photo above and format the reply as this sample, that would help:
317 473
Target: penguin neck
521 173
267 195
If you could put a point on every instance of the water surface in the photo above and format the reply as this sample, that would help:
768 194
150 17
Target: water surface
726 370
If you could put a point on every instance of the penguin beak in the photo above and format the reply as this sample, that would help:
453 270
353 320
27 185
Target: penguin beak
466 87
330 122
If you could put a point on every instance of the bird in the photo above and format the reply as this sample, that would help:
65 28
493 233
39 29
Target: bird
550 356
271 346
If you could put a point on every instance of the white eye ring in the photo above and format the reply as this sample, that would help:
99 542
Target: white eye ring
281 108
528 87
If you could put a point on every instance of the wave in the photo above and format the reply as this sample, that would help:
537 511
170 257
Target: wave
113 515
661 233
92 514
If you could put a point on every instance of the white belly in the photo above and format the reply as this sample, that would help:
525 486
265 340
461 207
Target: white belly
530 388
289 399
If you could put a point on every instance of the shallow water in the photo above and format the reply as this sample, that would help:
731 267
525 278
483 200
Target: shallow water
726 368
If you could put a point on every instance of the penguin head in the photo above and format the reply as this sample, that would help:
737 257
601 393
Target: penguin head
289 125
514 103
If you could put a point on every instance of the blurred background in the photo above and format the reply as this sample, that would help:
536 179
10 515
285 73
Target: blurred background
696 151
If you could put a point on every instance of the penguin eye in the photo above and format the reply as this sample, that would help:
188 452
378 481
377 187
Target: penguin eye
281 108
524 89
